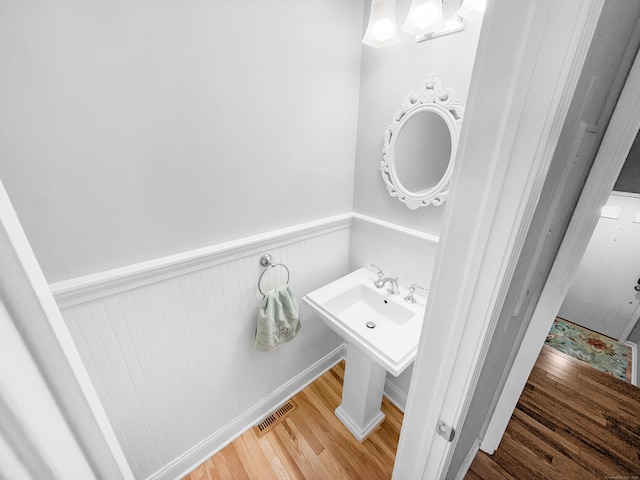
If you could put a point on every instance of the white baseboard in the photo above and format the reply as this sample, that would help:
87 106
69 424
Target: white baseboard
395 395
198 454
361 434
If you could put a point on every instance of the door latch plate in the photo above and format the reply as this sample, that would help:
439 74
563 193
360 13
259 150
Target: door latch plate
445 431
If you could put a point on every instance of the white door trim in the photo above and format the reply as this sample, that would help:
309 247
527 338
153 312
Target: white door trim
528 63
35 439
611 156
33 311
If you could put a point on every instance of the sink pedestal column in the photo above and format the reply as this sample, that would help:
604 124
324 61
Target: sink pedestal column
361 394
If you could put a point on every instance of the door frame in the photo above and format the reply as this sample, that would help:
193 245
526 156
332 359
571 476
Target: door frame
526 70
617 141
54 366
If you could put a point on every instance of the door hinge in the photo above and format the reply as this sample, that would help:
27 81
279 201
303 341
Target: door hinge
445 431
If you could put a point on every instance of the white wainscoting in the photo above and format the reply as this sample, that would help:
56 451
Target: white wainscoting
169 343
399 251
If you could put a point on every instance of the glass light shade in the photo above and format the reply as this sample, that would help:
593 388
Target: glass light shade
381 30
425 16
472 10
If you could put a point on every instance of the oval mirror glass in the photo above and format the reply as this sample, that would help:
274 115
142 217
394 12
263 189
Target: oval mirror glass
420 145
422 151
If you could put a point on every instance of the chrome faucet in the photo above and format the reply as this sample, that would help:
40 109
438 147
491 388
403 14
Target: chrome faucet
382 281
393 285
410 298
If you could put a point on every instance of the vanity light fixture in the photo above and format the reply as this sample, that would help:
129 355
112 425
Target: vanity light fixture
427 19
425 16
381 30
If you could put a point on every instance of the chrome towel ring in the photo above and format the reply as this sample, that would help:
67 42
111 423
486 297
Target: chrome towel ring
266 260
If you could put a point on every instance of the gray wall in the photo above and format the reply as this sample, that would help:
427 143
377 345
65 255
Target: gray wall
135 130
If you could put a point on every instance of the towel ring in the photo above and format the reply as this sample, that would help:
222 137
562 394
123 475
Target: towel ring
266 260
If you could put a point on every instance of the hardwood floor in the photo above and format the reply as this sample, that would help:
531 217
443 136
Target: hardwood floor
309 443
572 422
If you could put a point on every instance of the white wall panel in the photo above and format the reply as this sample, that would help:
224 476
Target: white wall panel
173 360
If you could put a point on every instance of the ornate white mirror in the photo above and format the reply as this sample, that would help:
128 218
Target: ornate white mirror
420 145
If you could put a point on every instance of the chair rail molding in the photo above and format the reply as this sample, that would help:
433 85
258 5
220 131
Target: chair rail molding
392 230
89 287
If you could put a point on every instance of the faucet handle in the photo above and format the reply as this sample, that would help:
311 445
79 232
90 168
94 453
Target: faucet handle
380 272
410 298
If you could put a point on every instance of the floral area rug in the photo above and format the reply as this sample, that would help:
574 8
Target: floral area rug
603 353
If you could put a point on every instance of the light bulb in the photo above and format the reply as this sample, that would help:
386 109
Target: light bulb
425 16
381 30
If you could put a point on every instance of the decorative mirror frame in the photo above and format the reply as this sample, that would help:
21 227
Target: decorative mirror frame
442 101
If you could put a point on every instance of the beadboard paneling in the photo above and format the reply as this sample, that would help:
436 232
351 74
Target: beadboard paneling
399 251
173 359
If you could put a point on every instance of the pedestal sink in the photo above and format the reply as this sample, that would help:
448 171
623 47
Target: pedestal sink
382 332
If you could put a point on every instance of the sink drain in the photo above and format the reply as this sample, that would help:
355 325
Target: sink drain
370 324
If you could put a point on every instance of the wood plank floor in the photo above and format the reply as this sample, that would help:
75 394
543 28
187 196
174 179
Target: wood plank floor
572 422
309 443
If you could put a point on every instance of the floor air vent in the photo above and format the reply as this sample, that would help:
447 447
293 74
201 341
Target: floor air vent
276 417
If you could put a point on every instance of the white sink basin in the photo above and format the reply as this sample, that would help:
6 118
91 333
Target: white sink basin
352 302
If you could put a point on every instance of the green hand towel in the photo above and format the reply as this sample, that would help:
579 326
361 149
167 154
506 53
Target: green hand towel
278 320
